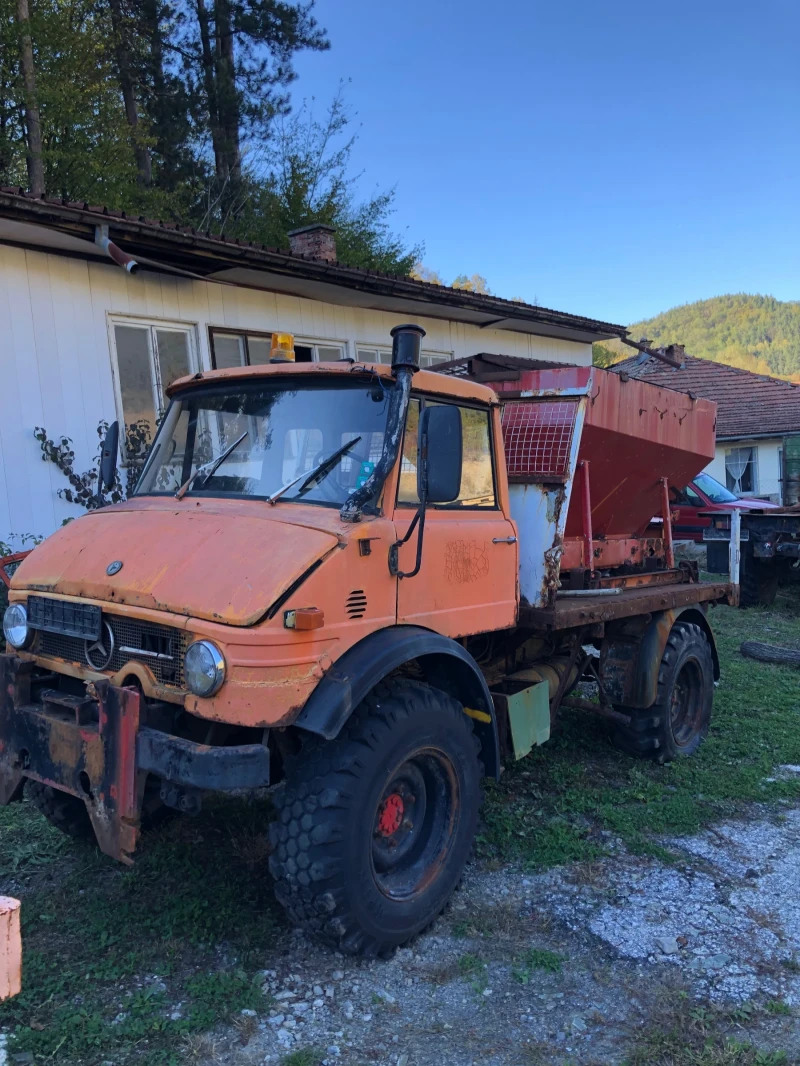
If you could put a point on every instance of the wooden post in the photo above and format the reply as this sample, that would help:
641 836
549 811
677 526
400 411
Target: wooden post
10 948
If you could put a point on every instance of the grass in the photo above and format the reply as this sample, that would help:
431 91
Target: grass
560 804
687 1034
111 951
536 959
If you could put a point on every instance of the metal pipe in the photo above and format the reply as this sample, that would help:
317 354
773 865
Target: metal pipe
586 513
596 708
667 517
406 342
113 251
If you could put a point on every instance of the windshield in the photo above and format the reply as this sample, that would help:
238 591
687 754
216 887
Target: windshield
274 432
716 493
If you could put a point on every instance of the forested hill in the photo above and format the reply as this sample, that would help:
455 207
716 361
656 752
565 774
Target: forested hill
756 333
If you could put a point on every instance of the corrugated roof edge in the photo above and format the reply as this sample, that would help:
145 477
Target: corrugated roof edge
21 203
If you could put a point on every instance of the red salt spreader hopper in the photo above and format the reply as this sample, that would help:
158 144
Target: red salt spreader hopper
590 456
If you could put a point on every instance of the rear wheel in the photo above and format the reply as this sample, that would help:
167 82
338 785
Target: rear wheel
758 582
678 722
376 826
65 812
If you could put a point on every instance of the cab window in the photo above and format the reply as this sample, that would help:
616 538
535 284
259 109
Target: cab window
477 472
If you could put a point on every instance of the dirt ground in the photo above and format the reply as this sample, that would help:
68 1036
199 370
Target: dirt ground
567 966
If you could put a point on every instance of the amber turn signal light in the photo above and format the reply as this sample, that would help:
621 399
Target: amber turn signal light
304 618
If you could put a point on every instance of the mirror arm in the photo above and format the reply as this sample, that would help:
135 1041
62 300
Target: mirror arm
394 550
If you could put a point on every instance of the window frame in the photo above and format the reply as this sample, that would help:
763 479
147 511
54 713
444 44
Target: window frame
752 463
189 329
383 349
455 506
245 334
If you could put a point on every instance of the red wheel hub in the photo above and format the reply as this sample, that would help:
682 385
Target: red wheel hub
390 817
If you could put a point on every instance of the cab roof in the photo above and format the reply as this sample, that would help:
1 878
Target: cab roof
422 381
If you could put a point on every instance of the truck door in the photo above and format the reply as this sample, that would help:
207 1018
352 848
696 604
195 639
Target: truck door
468 578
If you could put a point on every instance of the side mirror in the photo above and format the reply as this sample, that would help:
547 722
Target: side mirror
440 449
108 457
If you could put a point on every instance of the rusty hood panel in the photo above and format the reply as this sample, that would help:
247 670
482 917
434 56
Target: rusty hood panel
225 563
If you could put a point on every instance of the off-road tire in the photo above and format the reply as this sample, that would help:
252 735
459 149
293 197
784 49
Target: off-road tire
332 818
758 583
65 812
678 722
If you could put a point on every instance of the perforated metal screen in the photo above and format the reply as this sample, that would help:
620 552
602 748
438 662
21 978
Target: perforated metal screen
538 435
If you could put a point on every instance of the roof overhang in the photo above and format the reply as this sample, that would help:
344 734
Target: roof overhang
69 229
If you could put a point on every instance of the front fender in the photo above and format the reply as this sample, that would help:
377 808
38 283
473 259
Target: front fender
444 664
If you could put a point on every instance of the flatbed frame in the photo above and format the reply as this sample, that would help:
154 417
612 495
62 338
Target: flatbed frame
570 612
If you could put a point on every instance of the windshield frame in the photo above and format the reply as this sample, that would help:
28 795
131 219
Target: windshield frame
366 380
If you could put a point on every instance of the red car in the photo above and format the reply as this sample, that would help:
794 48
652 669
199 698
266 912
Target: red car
706 494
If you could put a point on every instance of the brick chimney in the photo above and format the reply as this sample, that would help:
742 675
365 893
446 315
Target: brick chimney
316 241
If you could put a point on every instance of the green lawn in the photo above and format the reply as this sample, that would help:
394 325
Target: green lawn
110 951
553 806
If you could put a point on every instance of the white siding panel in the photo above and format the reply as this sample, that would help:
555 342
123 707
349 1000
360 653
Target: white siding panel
57 368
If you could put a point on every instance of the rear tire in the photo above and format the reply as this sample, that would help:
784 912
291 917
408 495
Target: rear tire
376 826
65 812
758 584
678 722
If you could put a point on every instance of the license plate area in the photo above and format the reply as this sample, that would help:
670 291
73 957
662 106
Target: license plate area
70 619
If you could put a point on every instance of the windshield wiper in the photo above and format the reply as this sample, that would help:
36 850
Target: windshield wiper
208 469
319 471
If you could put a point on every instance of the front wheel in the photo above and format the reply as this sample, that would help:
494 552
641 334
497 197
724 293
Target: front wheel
678 722
376 826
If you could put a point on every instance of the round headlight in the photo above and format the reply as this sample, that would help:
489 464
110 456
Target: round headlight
203 668
15 626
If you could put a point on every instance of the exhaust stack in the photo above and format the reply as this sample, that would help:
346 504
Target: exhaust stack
406 342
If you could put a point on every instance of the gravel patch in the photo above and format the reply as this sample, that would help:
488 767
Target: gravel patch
614 938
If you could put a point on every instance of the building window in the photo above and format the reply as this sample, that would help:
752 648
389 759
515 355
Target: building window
230 348
384 355
741 471
477 474
148 356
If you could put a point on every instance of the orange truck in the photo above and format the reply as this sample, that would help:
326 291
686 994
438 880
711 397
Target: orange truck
369 586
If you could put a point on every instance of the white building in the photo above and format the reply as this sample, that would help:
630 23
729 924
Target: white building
99 312
755 415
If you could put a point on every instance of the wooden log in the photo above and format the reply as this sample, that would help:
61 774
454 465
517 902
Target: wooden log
770 653
10 948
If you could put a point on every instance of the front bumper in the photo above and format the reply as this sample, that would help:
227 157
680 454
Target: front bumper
94 748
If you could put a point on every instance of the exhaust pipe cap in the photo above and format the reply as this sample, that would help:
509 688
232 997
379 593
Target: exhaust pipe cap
406 341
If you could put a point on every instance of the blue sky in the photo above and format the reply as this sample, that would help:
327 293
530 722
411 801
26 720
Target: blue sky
610 159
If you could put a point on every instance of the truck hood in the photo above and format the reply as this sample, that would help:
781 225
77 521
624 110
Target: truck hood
219 560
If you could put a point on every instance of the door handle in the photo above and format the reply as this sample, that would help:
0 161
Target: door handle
504 540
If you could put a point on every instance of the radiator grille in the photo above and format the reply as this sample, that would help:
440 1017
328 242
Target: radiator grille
160 648
356 605
537 437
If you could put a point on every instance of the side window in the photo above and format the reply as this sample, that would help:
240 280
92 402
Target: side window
477 475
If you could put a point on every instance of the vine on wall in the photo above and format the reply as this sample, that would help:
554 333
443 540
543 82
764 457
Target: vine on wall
85 488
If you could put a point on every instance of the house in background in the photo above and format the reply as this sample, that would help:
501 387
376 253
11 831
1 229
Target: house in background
100 312
754 416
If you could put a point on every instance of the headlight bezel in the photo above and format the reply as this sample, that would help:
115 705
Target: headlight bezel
27 640
216 660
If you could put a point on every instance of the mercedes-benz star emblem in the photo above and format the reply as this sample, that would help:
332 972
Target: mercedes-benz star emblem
114 568
98 652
